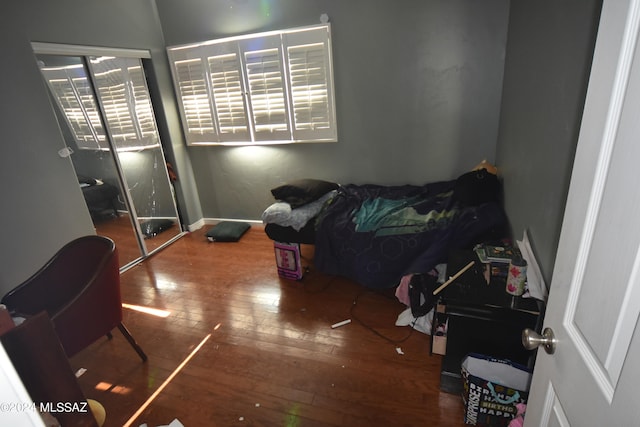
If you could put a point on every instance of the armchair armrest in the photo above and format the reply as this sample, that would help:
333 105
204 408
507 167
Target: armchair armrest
29 298
61 278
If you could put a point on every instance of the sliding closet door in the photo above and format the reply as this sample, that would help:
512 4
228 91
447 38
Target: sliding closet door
91 156
107 120
124 99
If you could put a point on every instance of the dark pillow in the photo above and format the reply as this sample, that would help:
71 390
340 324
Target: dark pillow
227 231
303 191
476 187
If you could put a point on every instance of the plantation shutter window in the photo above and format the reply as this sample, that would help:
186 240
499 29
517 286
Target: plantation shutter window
274 87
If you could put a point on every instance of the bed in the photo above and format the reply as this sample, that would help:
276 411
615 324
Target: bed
377 234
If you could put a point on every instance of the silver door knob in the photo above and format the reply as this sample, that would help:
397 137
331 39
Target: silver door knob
532 340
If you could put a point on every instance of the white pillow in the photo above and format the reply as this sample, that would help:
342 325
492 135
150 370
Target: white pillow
280 213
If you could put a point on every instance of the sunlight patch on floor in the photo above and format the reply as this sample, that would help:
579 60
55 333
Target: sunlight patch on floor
167 381
148 310
118 389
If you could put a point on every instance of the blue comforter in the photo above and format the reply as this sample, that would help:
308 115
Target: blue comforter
376 234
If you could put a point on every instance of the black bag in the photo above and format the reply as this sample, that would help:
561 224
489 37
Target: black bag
421 296
476 187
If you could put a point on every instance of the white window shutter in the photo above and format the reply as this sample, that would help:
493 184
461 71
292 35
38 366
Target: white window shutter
311 84
228 91
228 95
189 74
264 71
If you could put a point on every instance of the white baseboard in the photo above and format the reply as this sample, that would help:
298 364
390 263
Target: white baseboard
196 225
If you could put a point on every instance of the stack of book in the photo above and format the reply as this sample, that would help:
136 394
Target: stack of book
501 254
498 258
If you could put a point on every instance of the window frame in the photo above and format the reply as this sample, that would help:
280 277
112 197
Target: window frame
268 114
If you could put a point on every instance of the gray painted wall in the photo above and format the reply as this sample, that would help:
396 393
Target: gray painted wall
549 52
41 200
418 86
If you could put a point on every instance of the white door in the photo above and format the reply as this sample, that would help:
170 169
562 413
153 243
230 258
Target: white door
594 303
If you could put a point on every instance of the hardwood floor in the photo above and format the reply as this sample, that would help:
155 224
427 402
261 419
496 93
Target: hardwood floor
120 230
243 347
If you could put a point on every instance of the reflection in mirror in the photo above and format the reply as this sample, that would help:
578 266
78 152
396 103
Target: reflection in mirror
124 98
77 114
127 191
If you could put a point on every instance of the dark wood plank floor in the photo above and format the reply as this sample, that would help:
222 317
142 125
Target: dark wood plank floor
259 349
120 230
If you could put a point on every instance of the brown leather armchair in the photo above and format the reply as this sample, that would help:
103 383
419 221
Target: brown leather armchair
79 287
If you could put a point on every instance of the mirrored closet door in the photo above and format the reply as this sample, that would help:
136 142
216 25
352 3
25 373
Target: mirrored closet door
106 117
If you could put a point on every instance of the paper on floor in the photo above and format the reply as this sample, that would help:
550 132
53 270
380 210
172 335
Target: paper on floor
422 323
535 281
